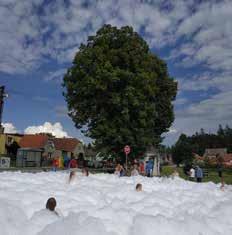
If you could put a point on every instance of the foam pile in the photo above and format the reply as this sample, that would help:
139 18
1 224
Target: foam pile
104 204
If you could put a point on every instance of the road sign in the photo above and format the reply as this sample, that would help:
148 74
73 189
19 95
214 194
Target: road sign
127 149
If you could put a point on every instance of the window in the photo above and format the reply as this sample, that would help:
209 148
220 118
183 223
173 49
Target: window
9 140
20 153
64 153
30 156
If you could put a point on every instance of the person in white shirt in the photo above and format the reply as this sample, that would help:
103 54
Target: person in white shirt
192 174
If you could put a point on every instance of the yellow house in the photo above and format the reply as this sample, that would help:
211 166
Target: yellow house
8 139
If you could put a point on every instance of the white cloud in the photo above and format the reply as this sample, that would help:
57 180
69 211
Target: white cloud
55 75
217 108
209 34
207 114
56 129
26 37
172 131
9 128
222 81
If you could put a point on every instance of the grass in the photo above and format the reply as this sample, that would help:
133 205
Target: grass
213 174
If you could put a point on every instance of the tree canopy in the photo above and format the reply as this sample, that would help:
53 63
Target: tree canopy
182 152
119 91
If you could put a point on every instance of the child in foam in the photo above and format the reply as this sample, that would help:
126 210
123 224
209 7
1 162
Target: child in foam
117 170
72 176
44 217
122 171
73 163
55 164
139 187
134 172
85 172
51 205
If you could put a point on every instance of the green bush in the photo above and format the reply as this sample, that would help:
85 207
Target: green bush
167 170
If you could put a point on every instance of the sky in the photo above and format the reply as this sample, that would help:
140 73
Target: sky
39 38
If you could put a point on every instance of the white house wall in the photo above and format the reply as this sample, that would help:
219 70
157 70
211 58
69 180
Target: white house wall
79 149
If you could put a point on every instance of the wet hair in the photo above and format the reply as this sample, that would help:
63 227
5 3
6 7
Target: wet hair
138 186
71 175
51 204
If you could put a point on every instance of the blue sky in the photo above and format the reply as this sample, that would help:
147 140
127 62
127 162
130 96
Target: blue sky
38 40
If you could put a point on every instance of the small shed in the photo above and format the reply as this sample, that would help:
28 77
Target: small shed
153 153
211 153
29 157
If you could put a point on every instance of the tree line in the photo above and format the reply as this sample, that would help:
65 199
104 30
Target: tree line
186 146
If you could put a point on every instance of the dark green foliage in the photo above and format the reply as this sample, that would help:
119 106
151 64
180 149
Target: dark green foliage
12 148
222 139
182 152
197 143
120 91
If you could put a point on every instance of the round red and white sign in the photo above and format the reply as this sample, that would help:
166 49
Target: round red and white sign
127 149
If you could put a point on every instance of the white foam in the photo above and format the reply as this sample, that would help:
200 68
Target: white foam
104 204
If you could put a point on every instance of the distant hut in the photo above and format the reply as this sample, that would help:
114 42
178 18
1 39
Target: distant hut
153 153
214 152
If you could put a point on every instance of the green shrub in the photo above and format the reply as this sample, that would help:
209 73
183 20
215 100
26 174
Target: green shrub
167 170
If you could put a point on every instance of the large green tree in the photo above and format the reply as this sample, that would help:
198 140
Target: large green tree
182 151
119 91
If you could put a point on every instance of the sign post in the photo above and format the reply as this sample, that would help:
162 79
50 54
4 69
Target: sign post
127 151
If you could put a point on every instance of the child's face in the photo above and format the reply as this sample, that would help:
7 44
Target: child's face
139 189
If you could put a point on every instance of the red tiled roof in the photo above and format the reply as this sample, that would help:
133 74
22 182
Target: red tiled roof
66 144
33 141
40 140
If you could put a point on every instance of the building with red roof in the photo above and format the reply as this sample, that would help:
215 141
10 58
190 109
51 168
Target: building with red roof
216 155
37 141
69 147
35 148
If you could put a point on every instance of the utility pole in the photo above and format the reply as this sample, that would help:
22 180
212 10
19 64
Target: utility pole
2 96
